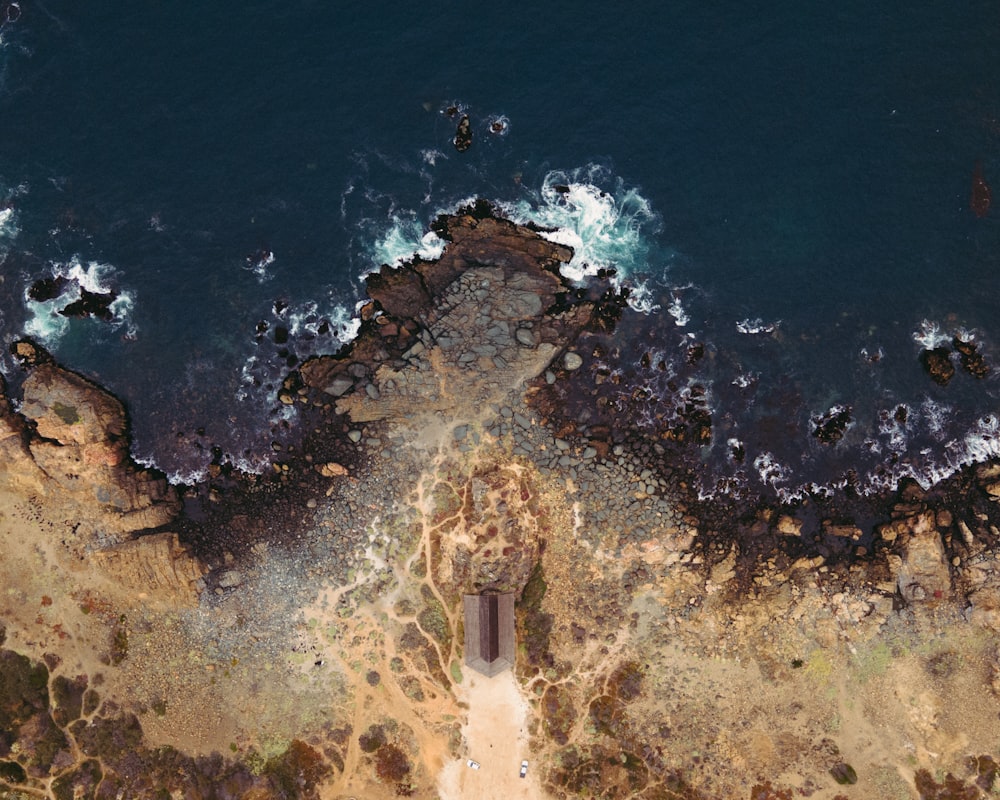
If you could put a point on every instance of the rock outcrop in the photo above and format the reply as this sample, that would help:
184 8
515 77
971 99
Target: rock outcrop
465 329
157 566
67 445
78 439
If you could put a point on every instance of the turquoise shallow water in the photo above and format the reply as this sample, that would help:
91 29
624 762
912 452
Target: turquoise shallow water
806 166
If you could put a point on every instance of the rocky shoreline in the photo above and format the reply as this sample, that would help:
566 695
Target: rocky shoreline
467 441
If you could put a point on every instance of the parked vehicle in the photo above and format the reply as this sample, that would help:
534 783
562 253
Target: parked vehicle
524 768
473 764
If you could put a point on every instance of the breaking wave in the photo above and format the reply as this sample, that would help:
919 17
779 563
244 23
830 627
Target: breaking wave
607 224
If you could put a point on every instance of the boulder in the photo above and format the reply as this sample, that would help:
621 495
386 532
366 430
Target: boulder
922 573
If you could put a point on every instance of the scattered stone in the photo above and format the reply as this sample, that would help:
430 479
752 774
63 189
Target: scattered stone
572 361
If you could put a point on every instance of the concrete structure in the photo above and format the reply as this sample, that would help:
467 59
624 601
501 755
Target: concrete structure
489 632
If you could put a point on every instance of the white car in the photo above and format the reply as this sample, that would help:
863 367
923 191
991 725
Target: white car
524 768
473 764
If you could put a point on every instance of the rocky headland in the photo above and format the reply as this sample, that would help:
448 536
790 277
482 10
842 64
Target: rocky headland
299 633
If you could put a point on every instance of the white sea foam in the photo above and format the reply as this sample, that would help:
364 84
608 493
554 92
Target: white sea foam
936 417
404 240
676 310
757 326
259 262
8 223
641 299
430 157
308 318
607 228
929 335
770 470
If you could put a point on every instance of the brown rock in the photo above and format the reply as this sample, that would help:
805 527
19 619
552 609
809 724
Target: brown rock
71 411
157 565
937 363
789 526
331 469
922 573
71 438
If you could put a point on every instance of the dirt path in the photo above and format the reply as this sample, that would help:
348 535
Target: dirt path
496 736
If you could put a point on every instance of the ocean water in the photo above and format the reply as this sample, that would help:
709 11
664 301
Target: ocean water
788 184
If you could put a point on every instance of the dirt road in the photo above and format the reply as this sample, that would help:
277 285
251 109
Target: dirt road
496 736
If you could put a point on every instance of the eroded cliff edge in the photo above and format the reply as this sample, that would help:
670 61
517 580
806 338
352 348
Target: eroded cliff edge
478 436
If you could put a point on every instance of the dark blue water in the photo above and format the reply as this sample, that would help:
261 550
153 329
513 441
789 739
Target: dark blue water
807 165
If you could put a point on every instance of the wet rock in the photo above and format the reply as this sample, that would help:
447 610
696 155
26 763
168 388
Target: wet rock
91 304
572 361
46 289
830 426
970 357
463 134
937 364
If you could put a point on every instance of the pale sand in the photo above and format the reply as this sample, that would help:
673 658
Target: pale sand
496 736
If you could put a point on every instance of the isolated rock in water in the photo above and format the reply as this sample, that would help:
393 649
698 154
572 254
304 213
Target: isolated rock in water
937 363
28 354
46 289
830 427
463 134
972 360
157 564
91 304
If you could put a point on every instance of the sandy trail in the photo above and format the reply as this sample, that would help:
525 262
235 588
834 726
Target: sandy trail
496 736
